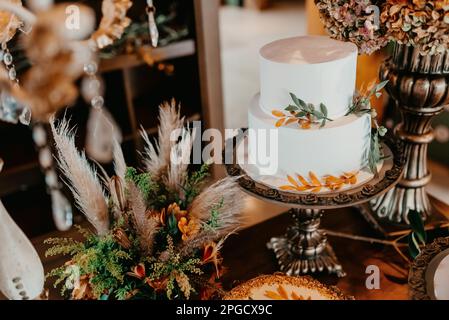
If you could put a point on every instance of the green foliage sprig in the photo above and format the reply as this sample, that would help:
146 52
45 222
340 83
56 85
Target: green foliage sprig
215 212
362 105
307 111
151 190
193 184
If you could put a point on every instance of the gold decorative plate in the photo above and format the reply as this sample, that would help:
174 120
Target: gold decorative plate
282 287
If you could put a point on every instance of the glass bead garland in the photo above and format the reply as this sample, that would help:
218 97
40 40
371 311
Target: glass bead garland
12 110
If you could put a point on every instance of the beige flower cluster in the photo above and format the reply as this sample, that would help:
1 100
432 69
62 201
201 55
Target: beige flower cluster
355 21
422 24
370 24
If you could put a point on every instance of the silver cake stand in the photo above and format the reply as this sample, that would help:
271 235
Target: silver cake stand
304 247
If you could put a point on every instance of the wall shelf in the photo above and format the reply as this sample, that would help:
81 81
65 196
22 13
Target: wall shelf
176 50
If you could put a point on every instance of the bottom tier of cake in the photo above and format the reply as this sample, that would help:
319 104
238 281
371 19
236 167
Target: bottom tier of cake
340 147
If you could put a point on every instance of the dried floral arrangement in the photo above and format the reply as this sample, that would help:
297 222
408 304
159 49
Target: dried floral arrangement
354 21
420 23
370 24
158 232
305 114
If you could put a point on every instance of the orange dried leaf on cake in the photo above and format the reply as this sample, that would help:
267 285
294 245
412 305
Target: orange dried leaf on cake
335 186
331 180
280 122
314 179
316 184
302 180
305 124
351 177
292 181
291 120
277 113
288 188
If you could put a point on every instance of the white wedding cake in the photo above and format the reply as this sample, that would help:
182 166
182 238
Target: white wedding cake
306 88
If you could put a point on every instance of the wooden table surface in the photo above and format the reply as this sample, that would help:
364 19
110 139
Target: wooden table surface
246 256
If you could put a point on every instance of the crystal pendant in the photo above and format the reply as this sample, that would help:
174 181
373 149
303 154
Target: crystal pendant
101 129
39 135
25 116
154 33
10 109
62 211
92 87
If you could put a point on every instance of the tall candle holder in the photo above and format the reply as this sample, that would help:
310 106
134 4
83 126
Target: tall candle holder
419 86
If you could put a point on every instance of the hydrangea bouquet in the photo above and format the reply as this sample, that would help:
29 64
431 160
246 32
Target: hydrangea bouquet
370 24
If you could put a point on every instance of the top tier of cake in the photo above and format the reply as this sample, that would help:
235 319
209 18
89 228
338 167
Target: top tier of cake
316 69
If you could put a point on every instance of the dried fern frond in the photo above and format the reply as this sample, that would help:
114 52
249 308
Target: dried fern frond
179 161
81 177
146 226
157 155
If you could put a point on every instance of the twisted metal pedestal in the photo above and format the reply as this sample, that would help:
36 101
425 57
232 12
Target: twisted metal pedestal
305 240
304 248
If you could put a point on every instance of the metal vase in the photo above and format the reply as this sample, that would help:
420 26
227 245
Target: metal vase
419 86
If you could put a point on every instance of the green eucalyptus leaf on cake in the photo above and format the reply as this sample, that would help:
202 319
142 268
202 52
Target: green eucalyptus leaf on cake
301 114
323 109
318 114
306 113
374 155
310 107
291 108
297 101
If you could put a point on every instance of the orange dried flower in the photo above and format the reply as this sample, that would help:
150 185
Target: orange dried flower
138 271
188 228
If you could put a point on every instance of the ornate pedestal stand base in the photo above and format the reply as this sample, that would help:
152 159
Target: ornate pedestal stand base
304 248
419 85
